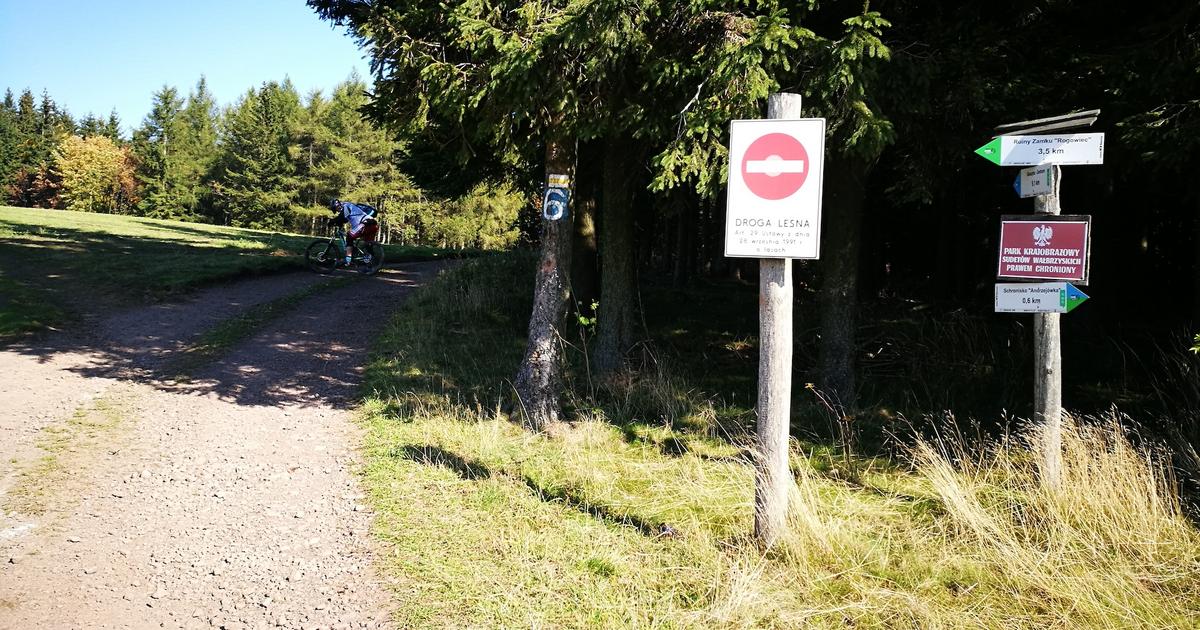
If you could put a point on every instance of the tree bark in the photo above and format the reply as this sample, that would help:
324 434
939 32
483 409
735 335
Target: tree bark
615 326
1196 266
719 265
539 377
685 228
839 288
585 260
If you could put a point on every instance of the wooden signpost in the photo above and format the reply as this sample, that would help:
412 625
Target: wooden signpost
1014 148
776 168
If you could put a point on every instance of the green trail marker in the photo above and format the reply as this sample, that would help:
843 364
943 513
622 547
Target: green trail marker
1072 297
1061 149
1038 297
990 151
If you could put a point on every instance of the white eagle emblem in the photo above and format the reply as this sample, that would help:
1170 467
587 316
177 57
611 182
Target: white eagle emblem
1042 235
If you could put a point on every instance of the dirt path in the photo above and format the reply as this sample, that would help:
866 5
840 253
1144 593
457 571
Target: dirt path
226 502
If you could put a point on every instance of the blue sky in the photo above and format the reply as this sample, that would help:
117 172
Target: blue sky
96 56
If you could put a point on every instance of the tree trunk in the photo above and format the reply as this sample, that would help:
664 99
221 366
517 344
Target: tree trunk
585 265
839 288
539 377
617 258
719 265
685 227
1196 267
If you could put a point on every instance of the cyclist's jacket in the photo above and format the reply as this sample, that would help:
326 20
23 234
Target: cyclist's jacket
356 214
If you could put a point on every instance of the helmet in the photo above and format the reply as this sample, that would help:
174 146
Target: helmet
335 205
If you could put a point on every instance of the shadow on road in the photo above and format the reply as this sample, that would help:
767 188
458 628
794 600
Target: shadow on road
312 356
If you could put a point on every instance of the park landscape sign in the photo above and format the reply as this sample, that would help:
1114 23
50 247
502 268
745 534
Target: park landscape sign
776 168
1048 247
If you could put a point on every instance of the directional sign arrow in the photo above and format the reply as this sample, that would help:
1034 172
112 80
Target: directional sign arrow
1038 297
991 150
1068 148
1072 297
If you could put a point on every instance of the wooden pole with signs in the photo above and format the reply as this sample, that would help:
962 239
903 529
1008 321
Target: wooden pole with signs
773 477
1018 144
1047 357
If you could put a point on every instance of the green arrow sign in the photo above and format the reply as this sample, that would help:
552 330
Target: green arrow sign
991 151
1072 297
1038 297
1064 149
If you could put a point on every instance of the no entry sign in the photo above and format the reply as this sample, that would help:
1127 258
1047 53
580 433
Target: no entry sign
774 199
1045 247
775 166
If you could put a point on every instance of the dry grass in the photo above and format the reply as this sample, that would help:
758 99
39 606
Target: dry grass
490 526
638 514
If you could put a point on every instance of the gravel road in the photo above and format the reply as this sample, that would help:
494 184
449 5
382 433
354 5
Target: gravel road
229 501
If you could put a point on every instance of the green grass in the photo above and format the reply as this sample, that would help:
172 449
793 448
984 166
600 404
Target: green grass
23 309
54 264
638 512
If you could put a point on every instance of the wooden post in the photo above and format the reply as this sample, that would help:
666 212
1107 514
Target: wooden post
1047 357
773 478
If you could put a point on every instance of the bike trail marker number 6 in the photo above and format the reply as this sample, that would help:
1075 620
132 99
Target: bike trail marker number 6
776 169
557 199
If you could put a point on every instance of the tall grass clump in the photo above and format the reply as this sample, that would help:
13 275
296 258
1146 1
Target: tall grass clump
1109 547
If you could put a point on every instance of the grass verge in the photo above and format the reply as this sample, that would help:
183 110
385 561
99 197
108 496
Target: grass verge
637 513
54 263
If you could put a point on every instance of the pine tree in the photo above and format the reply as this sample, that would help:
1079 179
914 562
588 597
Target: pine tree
160 160
10 138
198 149
112 127
90 126
256 187
39 129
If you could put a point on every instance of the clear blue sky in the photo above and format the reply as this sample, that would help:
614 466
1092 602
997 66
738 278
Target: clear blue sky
96 56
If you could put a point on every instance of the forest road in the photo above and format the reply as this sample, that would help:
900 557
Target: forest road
229 500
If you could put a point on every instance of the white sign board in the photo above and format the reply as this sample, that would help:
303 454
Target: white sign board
1065 149
776 169
1034 181
1038 297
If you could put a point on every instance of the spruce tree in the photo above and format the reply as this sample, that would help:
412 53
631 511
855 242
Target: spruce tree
198 148
160 160
256 187
112 127
90 126
9 138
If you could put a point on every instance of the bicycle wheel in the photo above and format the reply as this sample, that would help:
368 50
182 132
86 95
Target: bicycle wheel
372 258
321 256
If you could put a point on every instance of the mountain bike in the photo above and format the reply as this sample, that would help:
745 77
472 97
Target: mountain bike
325 255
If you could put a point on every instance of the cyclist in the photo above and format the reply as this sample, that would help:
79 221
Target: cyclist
361 218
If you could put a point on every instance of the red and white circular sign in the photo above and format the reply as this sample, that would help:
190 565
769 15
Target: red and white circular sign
775 166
